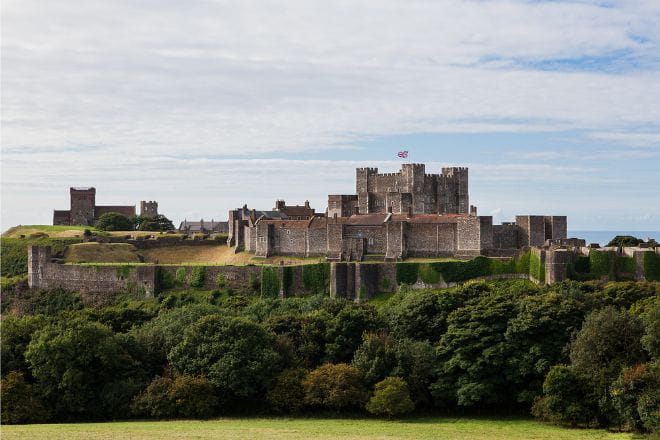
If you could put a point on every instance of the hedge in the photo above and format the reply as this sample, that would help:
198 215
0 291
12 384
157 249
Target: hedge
406 273
14 254
270 282
316 277
198 276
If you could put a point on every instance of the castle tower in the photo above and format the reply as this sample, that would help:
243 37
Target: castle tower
363 185
413 183
148 209
83 201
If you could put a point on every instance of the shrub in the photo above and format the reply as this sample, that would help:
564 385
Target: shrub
54 301
20 404
221 281
198 276
335 386
391 397
632 391
287 393
114 221
155 401
14 255
193 396
428 274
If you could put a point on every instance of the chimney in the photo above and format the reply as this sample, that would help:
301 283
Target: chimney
473 210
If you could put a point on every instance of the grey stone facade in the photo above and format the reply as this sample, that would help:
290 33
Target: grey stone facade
84 211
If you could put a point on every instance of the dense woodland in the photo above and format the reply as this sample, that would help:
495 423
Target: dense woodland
575 353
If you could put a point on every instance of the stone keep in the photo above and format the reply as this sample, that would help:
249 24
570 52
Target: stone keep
148 209
409 190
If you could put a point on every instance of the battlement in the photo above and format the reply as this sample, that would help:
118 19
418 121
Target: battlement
368 170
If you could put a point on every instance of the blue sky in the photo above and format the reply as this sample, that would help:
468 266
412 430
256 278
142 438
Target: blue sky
207 105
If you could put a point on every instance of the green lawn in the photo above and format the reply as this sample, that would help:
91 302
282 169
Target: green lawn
309 428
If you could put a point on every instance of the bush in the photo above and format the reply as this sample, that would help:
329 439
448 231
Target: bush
114 221
287 393
19 402
632 392
180 276
54 301
335 386
193 396
155 401
391 397
14 255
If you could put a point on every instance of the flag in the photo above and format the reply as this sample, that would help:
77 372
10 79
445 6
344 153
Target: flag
403 154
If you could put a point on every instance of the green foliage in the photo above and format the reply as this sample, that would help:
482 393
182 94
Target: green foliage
54 301
335 386
407 273
157 223
74 360
345 330
375 357
391 398
601 264
185 396
20 403
165 279
287 393
123 271
316 277
651 262
15 336
114 221
180 276
536 268
270 282
287 279
221 281
235 354
428 274
625 240
608 341
198 276
636 396
568 398
625 265
581 265
14 252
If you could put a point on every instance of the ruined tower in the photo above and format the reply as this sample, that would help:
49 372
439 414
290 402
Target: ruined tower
148 209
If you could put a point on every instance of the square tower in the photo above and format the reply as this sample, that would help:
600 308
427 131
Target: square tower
148 209
83 201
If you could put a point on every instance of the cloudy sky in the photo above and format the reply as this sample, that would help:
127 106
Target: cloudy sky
206 105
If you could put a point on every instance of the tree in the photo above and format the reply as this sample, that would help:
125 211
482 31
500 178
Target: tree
114 221
73 360
538 335
335 386
287 393
236 355
568 398
345 330
14 338
391 397
20 404
625 240
375 357
193 396
416 363
636 396
155 400
474 353
157 223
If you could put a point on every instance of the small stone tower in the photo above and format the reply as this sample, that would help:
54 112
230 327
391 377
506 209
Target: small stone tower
148 209
83 202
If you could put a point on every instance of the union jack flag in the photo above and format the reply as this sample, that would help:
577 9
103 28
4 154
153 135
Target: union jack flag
403 154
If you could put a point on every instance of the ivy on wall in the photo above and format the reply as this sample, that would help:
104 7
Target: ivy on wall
270 282
180 276
316 277
406 273
287 279
601 264
536 268
198 276
123 272
651 262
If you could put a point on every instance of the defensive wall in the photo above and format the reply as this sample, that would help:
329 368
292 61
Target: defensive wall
353 280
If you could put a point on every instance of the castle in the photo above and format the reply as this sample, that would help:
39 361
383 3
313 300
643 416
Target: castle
391 217
84 211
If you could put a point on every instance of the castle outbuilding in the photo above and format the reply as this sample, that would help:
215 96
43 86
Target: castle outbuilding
84 211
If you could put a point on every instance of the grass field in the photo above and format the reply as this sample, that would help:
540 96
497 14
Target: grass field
101 253
52 231
310 428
